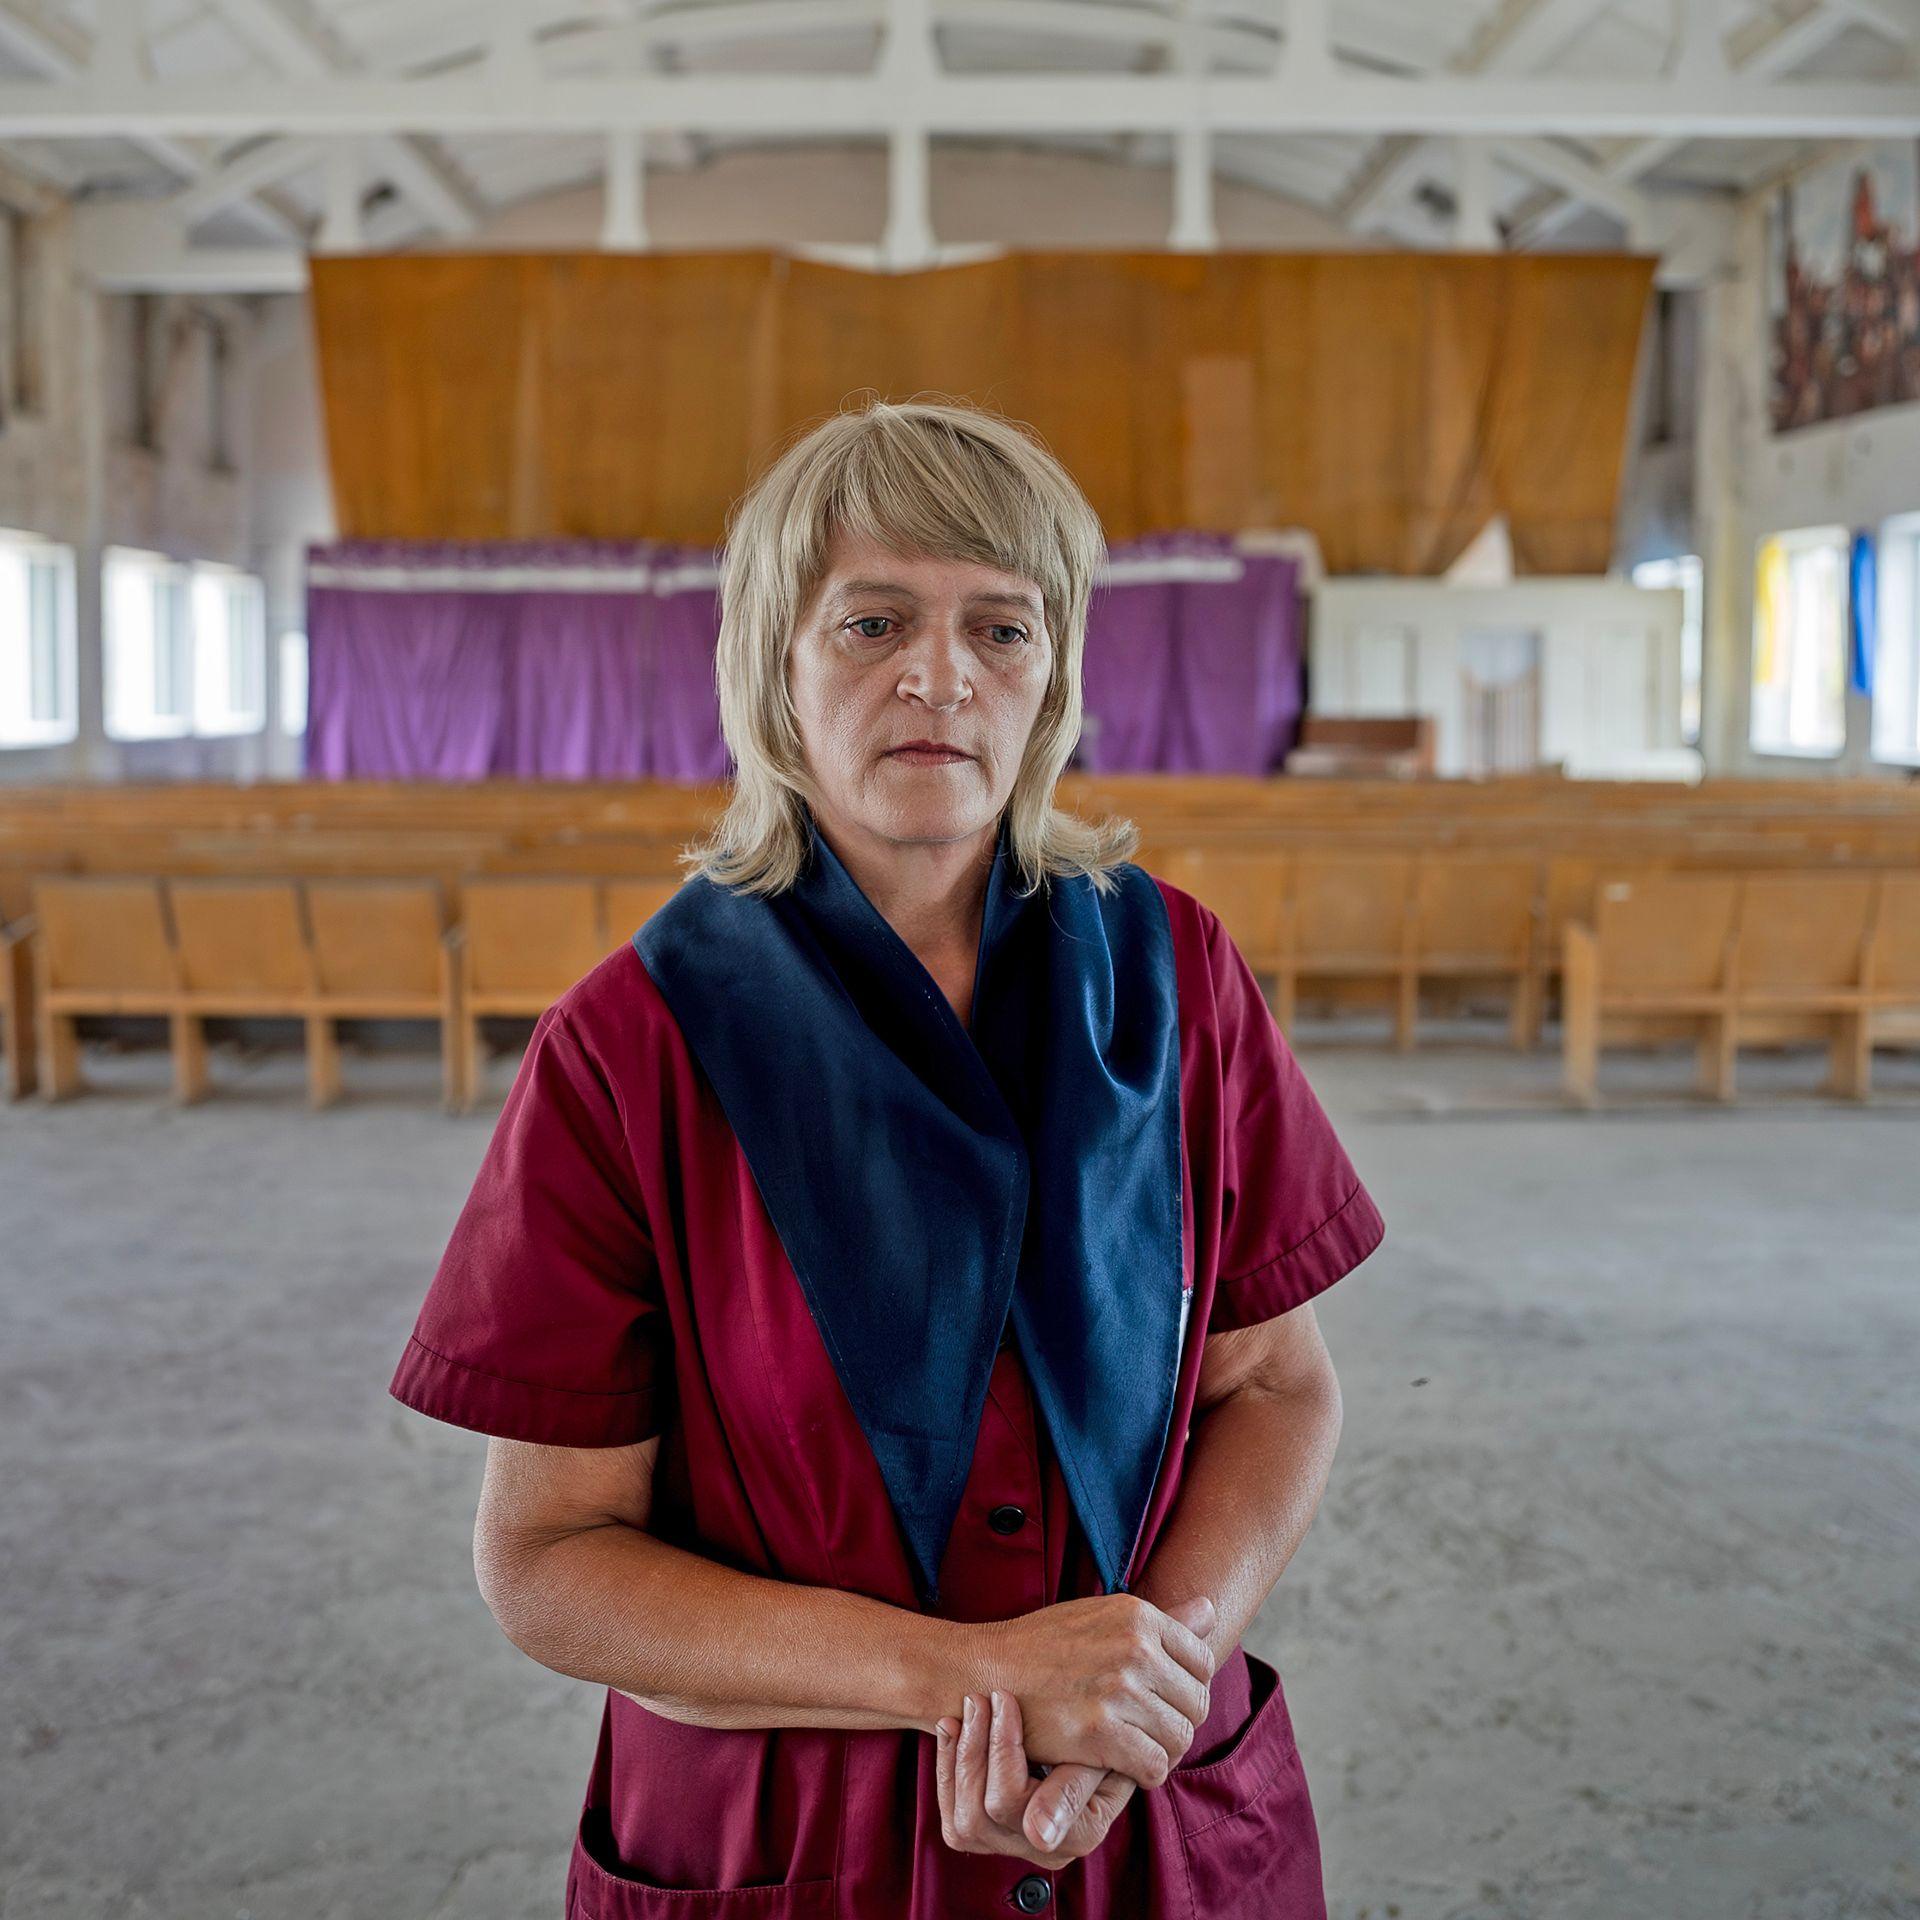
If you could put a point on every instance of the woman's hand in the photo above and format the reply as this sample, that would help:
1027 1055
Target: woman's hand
989 1803
1109 1681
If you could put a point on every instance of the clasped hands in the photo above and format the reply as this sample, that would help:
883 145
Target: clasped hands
1108 1689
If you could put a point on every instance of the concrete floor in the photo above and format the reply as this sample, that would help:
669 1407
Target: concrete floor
1609 1611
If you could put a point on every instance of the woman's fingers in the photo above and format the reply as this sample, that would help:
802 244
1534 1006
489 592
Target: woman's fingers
1186 1646
946 1737
970 1772
1008 1782
1170 1728
1058 1801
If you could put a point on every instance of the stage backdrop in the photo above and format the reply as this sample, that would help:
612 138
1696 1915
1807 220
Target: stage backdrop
1392 403
594 661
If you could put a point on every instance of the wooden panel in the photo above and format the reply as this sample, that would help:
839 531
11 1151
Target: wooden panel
1896 945
1475 912
1247 890
1666 933
241 937
107 935
376 936
530 936
630 904
1390 402
1350 912
1803 931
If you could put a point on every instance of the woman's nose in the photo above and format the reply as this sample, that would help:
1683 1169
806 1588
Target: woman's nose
936 670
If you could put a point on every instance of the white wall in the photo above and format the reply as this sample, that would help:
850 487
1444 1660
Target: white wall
1752 482
68 476
70 472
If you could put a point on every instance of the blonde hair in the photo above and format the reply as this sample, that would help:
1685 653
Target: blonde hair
919 477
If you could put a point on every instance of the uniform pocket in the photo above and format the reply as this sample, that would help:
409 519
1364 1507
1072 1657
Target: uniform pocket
1243 1822
600 1888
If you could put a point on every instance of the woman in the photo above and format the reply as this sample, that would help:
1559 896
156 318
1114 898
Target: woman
826 1284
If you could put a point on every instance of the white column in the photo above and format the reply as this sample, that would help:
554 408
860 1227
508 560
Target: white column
624 224
340 230
1473 226
1308 53
909 236
1700 51
1193 228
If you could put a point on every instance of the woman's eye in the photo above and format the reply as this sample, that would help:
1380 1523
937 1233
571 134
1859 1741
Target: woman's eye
1019 633
870 620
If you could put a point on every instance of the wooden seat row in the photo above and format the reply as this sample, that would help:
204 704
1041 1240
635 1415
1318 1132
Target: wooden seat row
319 951
1390 927
1736 959
1386 925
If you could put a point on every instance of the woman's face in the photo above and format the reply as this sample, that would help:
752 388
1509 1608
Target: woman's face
892 650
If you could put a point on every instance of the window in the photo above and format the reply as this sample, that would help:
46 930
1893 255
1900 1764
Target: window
1800 642
293 684
148 646
1683 571
1896 643
185 647
38 702
229 652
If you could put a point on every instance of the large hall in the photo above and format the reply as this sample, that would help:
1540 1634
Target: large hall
1227 1229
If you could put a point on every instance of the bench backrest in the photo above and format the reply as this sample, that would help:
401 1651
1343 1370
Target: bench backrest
1667 932
240 936
109 934
1801 932
376 936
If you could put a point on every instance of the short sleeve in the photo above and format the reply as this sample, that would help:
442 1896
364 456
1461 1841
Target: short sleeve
544 1320
1295 1216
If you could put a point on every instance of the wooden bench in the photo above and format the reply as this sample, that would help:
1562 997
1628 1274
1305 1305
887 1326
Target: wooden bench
1743 958
16 1007
523 942
191 950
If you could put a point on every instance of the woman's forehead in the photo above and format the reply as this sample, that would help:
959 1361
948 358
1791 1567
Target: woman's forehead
855 567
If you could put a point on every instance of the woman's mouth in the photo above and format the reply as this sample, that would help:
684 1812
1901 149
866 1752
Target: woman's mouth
924 754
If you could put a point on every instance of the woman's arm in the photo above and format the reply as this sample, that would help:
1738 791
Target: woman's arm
568 1570
576 1582
1266 1421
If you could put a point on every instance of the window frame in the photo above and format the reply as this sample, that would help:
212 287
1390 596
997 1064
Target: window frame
1793 541
19 730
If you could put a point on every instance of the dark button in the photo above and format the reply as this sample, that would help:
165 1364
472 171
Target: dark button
1032 1893
1007 1519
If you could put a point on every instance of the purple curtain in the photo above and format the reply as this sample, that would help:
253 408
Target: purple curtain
593 660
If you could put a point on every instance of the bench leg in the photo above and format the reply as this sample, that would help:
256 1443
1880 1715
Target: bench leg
473 1054
1523 1019
323 1061
1286 989
1716 1056
16 1012
59 1054
1850 1057
453 1093
1406 1009
189 1034
1580 1020
22 1065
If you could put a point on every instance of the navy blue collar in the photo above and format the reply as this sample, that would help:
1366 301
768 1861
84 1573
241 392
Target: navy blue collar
929 1178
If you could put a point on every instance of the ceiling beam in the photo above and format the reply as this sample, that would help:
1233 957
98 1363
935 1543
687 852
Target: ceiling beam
1766 51
249 171
288 37
1518 36
60 52
1739 107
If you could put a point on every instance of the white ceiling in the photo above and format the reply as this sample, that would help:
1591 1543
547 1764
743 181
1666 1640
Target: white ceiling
417 185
